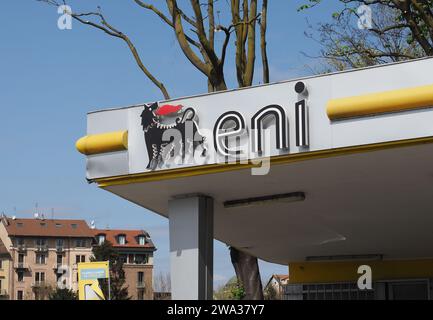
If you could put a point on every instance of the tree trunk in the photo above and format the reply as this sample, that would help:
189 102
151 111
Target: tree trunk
247 272
216 81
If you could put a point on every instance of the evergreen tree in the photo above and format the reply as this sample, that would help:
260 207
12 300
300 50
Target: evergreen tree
63 294
232 290
106 252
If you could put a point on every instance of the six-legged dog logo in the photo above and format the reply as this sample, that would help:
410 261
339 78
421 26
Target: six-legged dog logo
165 140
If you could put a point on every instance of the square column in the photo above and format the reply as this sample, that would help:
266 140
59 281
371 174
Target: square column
191 248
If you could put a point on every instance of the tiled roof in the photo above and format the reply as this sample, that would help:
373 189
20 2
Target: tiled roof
48 228
281 276
131 238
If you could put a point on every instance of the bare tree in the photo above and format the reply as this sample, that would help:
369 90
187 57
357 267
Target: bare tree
401 30
162 282
195 35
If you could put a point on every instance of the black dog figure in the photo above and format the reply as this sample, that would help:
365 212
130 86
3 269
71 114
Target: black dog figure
154 132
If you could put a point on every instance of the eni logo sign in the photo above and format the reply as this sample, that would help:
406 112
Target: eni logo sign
175 131
172 131
174 135
223 130
164 141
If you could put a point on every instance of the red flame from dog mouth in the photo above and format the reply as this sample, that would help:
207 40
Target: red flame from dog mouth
167 109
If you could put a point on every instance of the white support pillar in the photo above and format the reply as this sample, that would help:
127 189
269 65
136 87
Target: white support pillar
191 248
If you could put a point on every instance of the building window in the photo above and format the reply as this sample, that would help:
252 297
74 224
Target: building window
140 278
20 295
101 239
121 239
80 243
58 225
20 275
140 258
140 285
74 226
0 284
123 258
327 291
19 224
40 277
59 260
20 241
80 258
1 264
59 243
40 258
141 240
20 258
41 242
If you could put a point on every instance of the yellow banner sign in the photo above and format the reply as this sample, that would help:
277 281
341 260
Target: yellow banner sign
88 275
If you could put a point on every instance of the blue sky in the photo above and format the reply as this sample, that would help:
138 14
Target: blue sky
50 79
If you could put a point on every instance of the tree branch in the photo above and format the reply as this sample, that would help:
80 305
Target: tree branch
227 32
180 35
165 19
210 13
251 55
110 30
263 28
201 33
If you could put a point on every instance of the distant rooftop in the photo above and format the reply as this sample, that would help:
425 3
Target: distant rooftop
281 276
47 227
132 238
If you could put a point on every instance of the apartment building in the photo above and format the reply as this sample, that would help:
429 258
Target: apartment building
135 248
5 260
274 289
42 253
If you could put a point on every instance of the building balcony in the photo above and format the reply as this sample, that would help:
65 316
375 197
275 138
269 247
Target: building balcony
21 248
42 248
141 285
39 284
21 265
137 263
60 249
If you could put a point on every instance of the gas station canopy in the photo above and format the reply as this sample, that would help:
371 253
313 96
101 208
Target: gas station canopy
350 157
